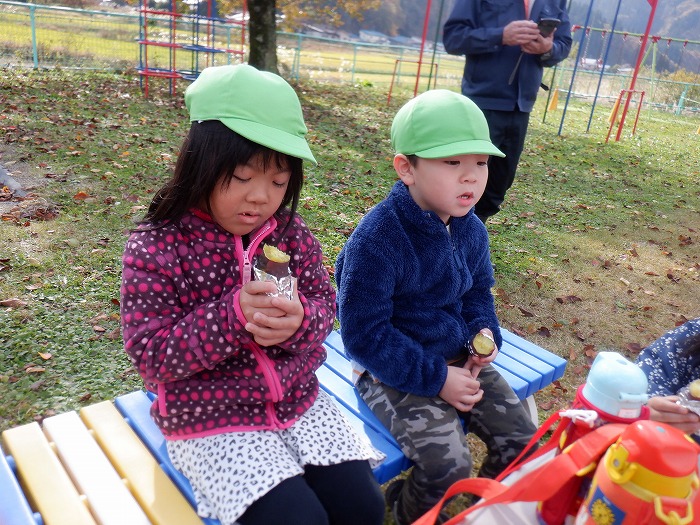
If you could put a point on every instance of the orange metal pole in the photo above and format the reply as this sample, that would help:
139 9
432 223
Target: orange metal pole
422 45
638 65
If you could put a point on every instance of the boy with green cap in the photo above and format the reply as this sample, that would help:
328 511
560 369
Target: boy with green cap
414 291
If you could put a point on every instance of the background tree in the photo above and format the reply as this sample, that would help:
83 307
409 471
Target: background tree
266 16
262 35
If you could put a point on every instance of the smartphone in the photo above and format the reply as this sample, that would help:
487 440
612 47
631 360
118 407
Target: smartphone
548 25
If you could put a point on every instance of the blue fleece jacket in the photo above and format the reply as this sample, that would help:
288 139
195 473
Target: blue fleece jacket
475 29
411 294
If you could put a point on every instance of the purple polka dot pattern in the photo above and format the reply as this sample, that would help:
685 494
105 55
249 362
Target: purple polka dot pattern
184 335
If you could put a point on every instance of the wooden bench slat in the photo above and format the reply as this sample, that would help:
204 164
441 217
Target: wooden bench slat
135 409
109 500
14 507
158 496
47 485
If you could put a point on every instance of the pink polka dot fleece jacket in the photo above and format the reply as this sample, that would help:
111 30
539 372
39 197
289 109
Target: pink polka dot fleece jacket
184 329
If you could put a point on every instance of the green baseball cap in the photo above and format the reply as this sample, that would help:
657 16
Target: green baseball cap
441 123
258 105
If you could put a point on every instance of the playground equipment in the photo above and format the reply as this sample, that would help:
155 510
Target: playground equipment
177 45
419 62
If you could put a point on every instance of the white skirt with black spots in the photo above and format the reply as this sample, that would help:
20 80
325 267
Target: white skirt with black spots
229 472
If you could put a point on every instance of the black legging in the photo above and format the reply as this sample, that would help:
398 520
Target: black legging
343 494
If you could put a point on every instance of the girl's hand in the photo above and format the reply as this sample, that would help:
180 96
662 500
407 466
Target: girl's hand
255 297
667 410
269 328
461 389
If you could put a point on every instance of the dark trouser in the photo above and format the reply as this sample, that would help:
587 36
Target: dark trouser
430 433
507 130
342 494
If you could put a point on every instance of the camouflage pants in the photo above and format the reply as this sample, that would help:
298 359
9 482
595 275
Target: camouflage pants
430 433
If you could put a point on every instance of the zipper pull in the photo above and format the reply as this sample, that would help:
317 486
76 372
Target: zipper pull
247 268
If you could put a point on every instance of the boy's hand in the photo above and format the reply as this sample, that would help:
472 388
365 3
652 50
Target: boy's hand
667 410
475 362
461 389
271 320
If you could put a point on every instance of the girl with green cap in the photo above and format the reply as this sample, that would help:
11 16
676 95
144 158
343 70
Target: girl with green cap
231 361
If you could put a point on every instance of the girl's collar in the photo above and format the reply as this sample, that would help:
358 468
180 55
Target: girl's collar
201 214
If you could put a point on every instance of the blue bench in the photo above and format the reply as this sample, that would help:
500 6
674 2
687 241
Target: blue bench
527 367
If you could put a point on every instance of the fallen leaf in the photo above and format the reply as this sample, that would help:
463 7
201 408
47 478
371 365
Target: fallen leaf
525 312
544 331
589 351
35 369
634 348
13 303
45 355
546 405
568 299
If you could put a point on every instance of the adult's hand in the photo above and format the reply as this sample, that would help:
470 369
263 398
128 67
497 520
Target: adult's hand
520 33
539 46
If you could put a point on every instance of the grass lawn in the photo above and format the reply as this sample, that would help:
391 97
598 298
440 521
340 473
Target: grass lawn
597 246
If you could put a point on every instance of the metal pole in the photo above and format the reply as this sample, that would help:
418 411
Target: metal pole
573 73
637 66
605 61
422 45
35 53
437 33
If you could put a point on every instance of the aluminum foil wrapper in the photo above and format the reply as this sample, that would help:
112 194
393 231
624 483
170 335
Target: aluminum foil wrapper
278 273
688 401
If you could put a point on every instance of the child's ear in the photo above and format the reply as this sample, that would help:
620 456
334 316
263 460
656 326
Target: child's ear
404 169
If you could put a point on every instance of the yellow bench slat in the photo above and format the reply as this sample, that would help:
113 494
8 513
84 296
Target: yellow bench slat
109 500
157 494
46 484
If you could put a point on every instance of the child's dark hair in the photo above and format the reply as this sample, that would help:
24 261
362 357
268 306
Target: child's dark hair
209 152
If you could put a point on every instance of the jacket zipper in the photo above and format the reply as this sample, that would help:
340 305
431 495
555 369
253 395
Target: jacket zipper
247 273
265 363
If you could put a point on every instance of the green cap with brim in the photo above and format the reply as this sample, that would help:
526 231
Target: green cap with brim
258 105
441 123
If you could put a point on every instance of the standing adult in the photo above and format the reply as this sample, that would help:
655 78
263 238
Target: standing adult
505 56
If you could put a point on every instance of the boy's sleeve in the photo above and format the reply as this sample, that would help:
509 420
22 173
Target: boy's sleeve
478 305
366 273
